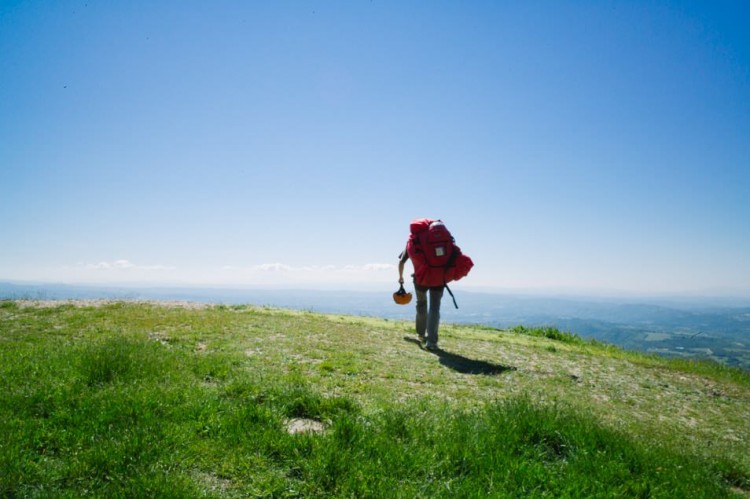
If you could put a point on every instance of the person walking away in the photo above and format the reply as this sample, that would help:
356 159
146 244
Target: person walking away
437 261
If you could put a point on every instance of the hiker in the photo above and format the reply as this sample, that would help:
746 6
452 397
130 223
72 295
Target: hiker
437 261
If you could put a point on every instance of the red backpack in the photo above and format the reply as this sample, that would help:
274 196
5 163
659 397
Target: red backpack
437 259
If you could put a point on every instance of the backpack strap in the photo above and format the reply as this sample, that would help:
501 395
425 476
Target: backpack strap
451 293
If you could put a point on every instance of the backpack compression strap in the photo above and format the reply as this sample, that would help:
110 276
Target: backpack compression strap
451 293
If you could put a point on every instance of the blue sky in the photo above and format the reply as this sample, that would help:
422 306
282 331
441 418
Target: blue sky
571 146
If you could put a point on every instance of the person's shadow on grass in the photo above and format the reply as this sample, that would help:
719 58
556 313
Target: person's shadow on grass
463 364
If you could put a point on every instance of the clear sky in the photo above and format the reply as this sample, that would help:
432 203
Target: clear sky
569 145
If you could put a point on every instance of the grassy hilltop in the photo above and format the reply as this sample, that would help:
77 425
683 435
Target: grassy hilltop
184 400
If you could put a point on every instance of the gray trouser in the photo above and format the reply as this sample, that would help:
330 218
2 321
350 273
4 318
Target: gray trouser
428 321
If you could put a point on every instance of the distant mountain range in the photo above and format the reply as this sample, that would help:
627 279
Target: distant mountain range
706 328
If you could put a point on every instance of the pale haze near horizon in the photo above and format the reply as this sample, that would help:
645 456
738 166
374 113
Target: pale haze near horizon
569 146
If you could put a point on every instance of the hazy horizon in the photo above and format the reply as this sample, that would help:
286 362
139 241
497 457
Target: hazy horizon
726 297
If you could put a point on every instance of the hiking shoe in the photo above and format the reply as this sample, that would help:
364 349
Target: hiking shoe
422 338
432 347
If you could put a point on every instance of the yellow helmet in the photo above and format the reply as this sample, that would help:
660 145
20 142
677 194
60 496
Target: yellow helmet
401 296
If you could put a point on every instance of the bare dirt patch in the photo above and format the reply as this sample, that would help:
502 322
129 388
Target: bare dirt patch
303 425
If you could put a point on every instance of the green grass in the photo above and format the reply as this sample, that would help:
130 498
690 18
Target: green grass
551 333
136 400
710 368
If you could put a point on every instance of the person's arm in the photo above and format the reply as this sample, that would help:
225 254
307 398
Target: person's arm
401 263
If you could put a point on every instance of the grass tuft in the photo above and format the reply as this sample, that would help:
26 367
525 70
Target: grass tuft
116 359
549 332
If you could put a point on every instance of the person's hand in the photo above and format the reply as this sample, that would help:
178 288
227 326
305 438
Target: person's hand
400 280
